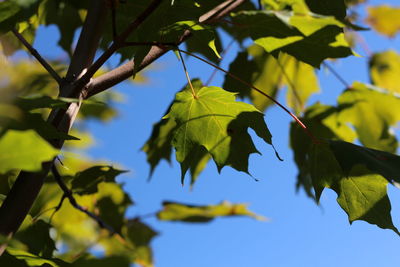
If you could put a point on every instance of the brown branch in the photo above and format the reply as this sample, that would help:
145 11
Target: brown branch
88 41
126 70
38 57
27 185
68 194
117 43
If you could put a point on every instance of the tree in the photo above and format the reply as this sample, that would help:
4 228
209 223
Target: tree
204 123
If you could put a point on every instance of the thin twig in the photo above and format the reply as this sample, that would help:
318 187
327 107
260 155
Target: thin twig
38 57
187 74
336 74
58 207
68 194
313 138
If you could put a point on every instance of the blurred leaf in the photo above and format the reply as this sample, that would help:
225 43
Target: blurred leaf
103 262
384 19
135 244
32 103
191 213
101 106
37 238
24 150
270 74
384 69
334 8
58 12
87 181
14 11
372 113
21 258
112 203
213 119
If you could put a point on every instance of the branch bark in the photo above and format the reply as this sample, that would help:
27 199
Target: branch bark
126 70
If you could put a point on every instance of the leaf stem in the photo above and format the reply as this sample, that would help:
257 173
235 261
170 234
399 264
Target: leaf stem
38 57
187 74
298 121
336 74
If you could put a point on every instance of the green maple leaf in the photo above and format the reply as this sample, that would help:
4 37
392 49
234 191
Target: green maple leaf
214 120
159 145
362 193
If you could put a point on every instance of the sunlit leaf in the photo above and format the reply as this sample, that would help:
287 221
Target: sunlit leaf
24 150
173 211
384 19
307 37
213 119
384 69
372 113
159 145
21 258
362 193
269 74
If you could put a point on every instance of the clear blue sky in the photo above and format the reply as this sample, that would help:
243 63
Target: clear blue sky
299 232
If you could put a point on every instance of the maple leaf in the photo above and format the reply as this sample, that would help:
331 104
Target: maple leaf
214 120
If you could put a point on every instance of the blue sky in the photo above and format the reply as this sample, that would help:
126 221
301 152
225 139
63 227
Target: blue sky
299 232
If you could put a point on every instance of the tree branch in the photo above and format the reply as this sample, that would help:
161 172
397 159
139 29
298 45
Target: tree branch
68 194
38 57
117 43
125 71
27 186
88 42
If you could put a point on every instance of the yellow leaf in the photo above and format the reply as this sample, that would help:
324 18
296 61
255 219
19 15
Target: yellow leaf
384 19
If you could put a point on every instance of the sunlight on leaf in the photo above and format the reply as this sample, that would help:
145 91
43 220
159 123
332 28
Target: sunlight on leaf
173 211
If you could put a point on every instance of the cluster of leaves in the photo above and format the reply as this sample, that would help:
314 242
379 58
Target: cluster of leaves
279 59
289 39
